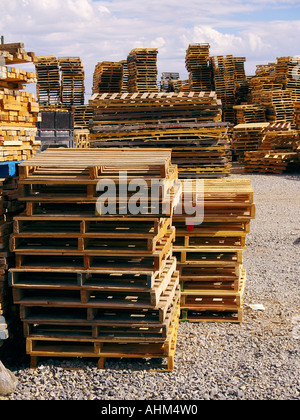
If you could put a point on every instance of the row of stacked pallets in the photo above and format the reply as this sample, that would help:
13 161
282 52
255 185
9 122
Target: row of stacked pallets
60 81
91 284
114 282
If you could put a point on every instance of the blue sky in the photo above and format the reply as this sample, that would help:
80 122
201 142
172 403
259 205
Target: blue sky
108 30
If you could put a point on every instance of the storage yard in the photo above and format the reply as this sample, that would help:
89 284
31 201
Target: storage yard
150 304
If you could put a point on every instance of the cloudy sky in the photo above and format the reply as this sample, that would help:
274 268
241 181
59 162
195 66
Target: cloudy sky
95 30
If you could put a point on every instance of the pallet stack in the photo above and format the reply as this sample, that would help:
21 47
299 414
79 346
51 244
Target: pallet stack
279 106
82 115
92 284
279 151
246 138
224 74
200 149
297 115
210 254
125 76
48 81
72 81
108 77
198 65
142 70
19 110
154 108
250 113
9 207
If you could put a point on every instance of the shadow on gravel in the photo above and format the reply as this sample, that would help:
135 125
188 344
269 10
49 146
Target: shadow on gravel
297 241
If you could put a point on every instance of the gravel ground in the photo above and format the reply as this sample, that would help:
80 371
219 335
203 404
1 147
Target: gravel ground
256 360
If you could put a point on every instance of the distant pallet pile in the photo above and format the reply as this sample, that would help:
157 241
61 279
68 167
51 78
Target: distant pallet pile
167 121
82 115
108 77
224 74
167 78
152 108
287 72
279 105
297 114
202 151
247 137
125 76
72 81
272 162
92 284
180 85
250 113
48 81
209 248
19 110
142 70
198 65
279 152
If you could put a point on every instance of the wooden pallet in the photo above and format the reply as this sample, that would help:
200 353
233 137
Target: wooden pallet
213 306
40 347
225 200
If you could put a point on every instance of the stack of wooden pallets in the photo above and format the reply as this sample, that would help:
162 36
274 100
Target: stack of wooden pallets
210 254
152 108
142 70
250 113
199 150
297 115
108 77
125 76
19 112
278 152
92 284
9 207
48 81
166 120
272 162
247 137
82 114
199 68
72 81
279 105
224 74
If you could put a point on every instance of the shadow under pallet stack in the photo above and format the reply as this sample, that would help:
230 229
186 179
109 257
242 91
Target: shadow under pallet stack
210 254
91 284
